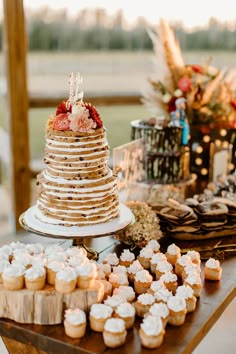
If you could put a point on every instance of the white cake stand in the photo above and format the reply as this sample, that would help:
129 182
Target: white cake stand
31 223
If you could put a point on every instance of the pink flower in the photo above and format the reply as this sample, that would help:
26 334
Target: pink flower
80 121
185 84
61 122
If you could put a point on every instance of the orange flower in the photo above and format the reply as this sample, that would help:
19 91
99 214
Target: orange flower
61 122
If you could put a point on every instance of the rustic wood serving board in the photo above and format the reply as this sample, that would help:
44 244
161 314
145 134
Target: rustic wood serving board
47 306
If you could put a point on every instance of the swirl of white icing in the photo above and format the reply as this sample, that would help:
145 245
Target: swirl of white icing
75 316
134 267
59 257
125 310
23 259
192 268
35 272
13 270
119 269
159 309
162 295
55 265
143 276
125 291
66 274
193 279
184 291
88 270
146 299
176 303
152 325
16 245
154 244
101 311
126 255
184 260
168 277
112 259
173 249
164 267
146 252
3 264
158 257
77 260
35 248
156 285
212 263
53 249
5 251
75 251
114 300
115 325
193 255
105 267
119 278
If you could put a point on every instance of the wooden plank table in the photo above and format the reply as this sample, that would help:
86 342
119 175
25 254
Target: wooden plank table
216 296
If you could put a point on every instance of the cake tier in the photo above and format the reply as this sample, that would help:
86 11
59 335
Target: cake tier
77 188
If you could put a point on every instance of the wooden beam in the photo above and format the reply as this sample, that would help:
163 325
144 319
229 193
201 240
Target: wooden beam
15 48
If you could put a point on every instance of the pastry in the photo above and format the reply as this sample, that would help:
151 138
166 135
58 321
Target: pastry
143 303
52 267
75 323
119 269
13 277
35 278
155 286
114 333
162 295
160 310
195 282
151 332
118 279
112 259
98 315
106 268
212 269
126 258
114 301
162 268
133 269
170 281
181 262
156 258
178 310
154 245
125 291
4 263
145 256
126 312
173 252
191 269
66 280
186 293
142 281
195 257
87 274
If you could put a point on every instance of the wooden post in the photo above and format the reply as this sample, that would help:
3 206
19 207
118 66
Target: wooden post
15 48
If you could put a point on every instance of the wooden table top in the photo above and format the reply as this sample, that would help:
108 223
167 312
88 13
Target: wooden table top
51 339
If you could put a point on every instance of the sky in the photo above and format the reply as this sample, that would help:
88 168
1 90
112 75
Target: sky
191 13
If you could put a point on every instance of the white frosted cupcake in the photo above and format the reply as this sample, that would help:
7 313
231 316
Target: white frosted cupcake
190 269
155 286
145 256
52 267
75 251
106 268
195 282
114 333
151 332
186 292
118 279
157 258
173 253
212 269
98 315
112 259
4 263
13 277
154 245
87 274
77 261
178 310
125 291
127 258
162 268
143 303
160 310
126 312
66 280
162 295
21 256
75 323
195 257
114 301
35 278
119 269
181 262
133 269
34 248
142 281
170 281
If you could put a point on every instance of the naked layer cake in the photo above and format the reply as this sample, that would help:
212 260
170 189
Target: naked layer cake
77 188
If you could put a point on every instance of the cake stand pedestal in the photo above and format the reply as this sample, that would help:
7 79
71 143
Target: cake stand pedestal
29 221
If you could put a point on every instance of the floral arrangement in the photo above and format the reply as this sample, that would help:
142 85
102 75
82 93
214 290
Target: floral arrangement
210 93
74 114
145 228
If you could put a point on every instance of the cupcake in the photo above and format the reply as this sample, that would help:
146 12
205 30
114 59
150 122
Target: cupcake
142 281
75 251
195 257
35 278
118 279
34 248
143 303
114 301
178 310
112 259
212 269
195 282
75 323
22 257
125 291
52 267
77 260
189 269
100 275
98 315
162 268
4 263
145 256
173 253
170 281
119 269
106 268
181 262
157 258
114 333
154 245
151 332
86 275
155 286
59 257
186 293
126 258
13 277
126 312
160 310
66 280
133 269
162 295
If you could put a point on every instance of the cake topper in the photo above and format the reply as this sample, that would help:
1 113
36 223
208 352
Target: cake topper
75 95
179 119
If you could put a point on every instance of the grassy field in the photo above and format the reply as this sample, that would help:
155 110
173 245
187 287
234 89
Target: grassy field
103 72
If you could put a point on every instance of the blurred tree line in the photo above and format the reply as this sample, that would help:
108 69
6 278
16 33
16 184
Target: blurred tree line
51 30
